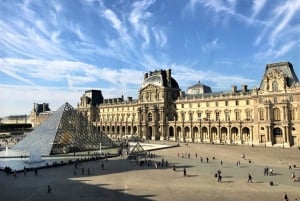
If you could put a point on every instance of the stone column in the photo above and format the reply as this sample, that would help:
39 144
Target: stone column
269 136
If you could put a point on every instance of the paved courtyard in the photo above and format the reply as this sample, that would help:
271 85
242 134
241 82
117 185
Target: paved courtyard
124 180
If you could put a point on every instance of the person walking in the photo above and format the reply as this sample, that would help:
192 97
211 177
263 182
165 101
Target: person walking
184 172
249 178
285 197
49 189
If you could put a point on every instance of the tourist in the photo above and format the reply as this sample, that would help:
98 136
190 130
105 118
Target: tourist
249 178
184 172
219 178
49 189
285 197
270 171
293 177
221 163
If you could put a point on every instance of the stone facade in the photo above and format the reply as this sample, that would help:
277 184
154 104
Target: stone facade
266 115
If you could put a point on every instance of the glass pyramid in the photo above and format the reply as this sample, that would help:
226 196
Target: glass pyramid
65 131
137 152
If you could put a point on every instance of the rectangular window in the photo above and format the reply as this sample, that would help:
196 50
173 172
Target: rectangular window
227 116
237 116
191 116
217 116
226 103
236 102
261 115
199 116
247 102
207 104
182 105
248 116
217 104
208 116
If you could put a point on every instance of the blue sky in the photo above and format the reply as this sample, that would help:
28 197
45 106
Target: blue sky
52 51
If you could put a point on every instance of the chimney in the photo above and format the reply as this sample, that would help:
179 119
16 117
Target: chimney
244 88
233 89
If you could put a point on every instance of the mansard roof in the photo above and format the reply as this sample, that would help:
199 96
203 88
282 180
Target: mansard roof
161 78
198 88
286 68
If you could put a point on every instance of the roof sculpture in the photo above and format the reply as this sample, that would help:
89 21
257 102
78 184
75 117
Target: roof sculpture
65 131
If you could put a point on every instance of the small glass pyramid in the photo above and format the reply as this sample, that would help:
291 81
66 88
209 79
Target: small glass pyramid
137 152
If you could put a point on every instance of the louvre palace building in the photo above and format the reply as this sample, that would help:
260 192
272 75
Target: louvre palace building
266 115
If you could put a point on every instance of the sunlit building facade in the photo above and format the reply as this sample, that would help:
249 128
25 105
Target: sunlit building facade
266 115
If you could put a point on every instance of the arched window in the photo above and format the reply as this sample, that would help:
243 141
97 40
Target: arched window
149 116
276 113
275 86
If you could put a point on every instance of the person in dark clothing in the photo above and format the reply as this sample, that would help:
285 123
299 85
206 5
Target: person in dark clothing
249 178
285 197
49 189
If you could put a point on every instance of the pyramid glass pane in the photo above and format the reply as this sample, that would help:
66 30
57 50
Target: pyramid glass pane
137 151
65 131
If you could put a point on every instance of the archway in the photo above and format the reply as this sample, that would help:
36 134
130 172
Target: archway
278 137
179 134
214 133
149 133
205 135
186 134
171 132
246 134
223 134
135 130
129 130
234 134
195 134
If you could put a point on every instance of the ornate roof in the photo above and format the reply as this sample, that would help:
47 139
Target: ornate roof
280 69
161 78
198 88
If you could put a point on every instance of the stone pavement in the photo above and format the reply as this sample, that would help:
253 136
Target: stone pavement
124 180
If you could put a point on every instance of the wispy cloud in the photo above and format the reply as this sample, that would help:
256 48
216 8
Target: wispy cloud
257 7
280 32
160 37
283 15
210 45
137 18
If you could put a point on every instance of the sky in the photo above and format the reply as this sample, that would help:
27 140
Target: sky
51 51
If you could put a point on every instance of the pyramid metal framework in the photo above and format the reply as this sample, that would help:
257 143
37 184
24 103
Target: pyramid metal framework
137 152
65 131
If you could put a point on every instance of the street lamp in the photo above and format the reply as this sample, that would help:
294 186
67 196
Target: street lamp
200 130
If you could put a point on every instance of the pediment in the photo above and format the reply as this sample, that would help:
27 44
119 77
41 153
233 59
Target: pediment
150 87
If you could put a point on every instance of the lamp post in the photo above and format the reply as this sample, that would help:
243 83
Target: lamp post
200 130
